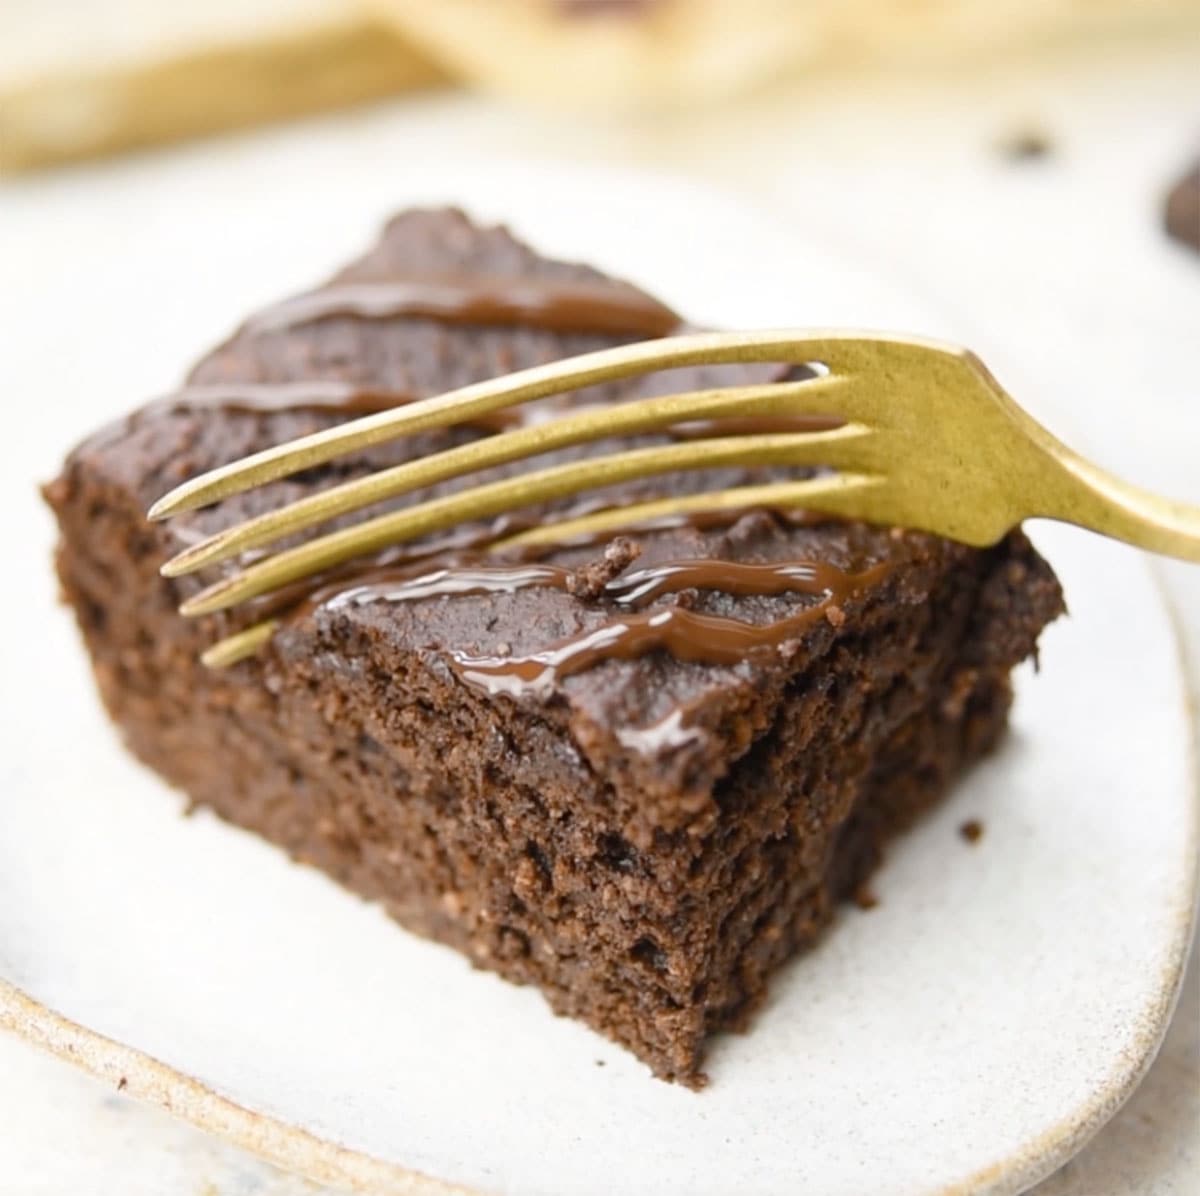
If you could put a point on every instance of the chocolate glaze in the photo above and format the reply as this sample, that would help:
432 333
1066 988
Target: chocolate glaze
535 303
396 575
460 546
469 546
731 577
685 634
633 589
668 734
451 579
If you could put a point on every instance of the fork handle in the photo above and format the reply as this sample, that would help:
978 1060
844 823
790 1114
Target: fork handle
1095 499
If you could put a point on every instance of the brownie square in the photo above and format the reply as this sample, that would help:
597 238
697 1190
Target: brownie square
645 833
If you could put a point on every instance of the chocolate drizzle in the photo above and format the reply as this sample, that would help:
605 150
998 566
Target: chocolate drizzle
466 547
531 302
409 575
548 304
451 580
671 733
633 589
686 634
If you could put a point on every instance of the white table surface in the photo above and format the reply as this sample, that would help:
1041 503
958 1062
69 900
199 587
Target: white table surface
1059 268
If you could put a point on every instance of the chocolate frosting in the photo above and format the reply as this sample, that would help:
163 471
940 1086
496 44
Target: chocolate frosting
687 635
552 306
365 342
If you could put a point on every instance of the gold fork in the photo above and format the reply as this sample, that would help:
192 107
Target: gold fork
929 440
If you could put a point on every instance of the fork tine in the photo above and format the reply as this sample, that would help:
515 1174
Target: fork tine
237 647
847 446
779 398
841 352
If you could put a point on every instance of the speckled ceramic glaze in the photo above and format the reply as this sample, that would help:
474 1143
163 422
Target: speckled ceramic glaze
966 1035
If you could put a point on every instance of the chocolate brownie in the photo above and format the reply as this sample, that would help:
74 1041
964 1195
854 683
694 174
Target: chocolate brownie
638 773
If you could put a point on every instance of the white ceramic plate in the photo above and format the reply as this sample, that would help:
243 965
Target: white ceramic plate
965 1036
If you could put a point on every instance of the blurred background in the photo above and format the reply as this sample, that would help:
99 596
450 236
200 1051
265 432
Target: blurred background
89 77
1031 165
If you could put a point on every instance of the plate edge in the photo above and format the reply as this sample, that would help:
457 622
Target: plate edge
140 1075
1055 1147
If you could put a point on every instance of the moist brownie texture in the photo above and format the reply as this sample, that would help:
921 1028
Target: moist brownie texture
645 839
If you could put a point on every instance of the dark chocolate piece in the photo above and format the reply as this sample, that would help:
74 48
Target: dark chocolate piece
1028 144
647 839
971 830
1182 216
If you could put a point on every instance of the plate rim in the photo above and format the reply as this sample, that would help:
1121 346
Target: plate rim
141 1075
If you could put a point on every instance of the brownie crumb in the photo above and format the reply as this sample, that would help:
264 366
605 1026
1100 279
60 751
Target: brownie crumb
1182 216
971 830
588 581
1027 144
122 1084
865 898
